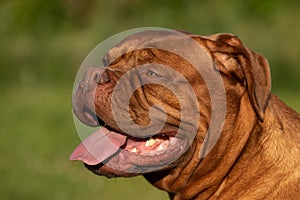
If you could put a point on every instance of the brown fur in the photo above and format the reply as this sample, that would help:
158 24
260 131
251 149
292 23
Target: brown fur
258 153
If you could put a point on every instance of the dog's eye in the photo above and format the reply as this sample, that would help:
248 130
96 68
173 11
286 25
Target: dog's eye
152 74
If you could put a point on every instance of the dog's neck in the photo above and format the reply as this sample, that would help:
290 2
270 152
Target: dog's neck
241 151
208 173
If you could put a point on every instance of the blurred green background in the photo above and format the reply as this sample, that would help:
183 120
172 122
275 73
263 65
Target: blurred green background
42 46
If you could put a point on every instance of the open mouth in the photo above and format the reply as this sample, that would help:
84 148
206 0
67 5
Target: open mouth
123 152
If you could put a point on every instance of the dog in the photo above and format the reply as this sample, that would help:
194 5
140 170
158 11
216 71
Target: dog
255 155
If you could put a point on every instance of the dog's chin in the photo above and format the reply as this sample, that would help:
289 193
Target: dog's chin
103 170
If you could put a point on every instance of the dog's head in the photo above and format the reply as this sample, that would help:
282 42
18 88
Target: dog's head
154 106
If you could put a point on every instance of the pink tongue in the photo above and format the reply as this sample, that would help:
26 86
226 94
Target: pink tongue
98 146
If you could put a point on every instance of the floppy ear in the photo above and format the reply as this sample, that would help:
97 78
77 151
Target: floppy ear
257 73
233 57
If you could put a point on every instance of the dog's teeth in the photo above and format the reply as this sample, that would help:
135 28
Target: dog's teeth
150 142
134 150
166 143
172 140
159 148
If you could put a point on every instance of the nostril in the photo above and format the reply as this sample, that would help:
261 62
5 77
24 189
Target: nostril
100 122
104 78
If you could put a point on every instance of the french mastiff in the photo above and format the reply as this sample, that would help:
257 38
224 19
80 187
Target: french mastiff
256 155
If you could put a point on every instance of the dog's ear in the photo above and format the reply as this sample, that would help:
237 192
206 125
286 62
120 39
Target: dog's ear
257 73
233 58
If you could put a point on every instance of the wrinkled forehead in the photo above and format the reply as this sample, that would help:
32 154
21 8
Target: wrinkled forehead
172 41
